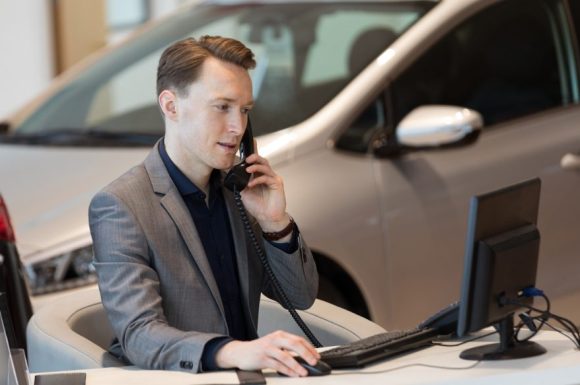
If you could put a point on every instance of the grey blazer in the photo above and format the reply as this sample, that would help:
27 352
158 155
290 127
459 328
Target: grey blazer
154 277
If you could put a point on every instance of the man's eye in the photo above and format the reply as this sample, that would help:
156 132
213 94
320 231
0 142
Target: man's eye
223 107
246 110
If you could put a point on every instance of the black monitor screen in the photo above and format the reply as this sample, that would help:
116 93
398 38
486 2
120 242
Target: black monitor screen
501 260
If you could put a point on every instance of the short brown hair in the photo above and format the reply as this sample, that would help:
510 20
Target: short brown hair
180 63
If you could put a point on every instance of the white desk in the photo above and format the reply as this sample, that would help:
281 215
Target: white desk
434 365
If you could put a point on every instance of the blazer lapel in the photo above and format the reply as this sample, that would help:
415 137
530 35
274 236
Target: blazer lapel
173 203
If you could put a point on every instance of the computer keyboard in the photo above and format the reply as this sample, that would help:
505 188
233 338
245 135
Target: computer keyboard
377 347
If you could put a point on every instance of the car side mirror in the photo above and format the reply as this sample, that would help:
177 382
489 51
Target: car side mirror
438 125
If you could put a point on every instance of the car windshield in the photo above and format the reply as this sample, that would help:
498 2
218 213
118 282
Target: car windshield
306 54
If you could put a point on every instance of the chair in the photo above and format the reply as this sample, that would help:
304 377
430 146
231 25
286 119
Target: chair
73 332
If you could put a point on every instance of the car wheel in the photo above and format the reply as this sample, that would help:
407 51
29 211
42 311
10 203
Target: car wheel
338 288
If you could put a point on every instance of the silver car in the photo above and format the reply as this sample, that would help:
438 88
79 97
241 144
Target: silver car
383 117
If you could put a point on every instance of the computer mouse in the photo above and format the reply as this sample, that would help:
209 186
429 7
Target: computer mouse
321 368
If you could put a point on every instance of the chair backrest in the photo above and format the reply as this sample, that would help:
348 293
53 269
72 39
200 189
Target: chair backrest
73 332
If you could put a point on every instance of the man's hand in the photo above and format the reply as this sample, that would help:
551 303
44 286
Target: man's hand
264 197
272 351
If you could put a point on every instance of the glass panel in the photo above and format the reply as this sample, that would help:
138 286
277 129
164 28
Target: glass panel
126 13
575 13
306 54
574 6
574 56
502 63
353 39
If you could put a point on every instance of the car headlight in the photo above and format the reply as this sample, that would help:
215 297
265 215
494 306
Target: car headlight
67 270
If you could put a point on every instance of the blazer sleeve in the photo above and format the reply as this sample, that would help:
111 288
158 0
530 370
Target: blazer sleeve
296 273
130 291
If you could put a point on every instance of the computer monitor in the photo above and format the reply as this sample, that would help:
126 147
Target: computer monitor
501 260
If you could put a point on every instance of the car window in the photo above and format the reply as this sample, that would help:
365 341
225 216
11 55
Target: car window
306 53
354 38
574 7
504 62
127 101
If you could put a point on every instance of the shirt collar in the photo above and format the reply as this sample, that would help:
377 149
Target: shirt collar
184 185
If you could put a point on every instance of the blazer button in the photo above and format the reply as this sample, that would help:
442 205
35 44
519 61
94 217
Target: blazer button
186 364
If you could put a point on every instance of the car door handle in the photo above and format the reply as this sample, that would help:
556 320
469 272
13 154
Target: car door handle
570 162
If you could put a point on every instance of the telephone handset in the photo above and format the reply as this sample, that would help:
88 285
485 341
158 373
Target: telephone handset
236 180
444 321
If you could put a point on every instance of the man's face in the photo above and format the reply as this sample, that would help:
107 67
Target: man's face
212 118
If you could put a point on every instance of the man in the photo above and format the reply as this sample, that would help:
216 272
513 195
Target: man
178 275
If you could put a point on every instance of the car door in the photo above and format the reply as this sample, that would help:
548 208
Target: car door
515 65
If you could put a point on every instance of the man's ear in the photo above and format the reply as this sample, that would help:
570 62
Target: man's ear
168 103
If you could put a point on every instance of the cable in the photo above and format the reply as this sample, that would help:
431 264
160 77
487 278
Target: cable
543 316
528 320
562 333
277 286
405 367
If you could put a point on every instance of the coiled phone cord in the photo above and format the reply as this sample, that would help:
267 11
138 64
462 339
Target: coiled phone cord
277 286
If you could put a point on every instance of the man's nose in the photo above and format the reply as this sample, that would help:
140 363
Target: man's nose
237 123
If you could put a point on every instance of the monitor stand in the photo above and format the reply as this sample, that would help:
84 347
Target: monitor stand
507 349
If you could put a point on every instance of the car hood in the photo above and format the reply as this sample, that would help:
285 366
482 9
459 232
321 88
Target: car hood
48 190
